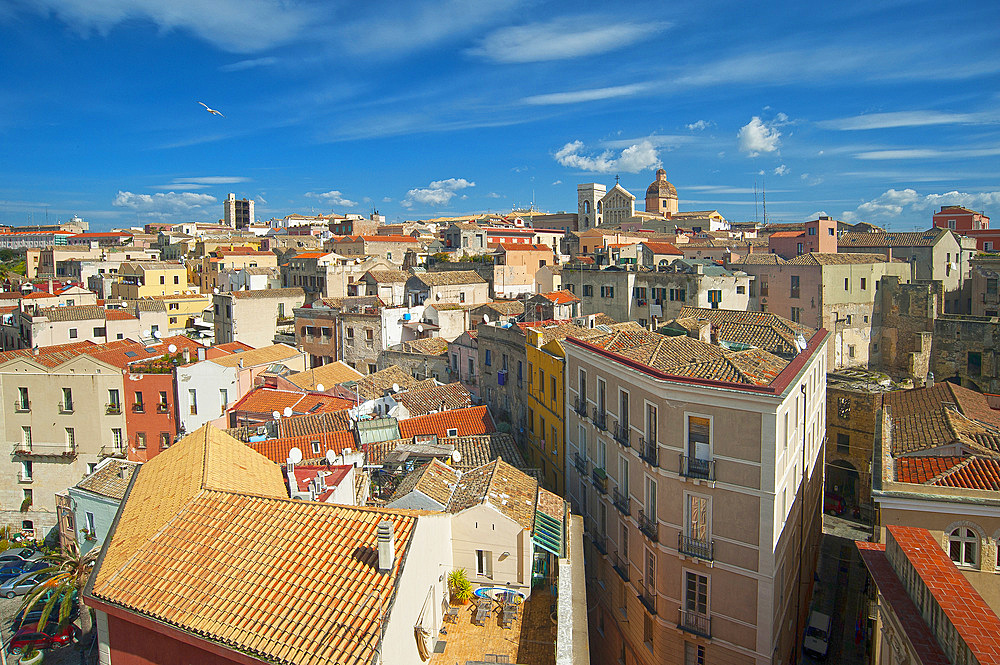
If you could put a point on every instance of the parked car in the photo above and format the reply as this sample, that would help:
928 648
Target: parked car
9 571
16 554
833 504
19 586
35 612
53 635
817 640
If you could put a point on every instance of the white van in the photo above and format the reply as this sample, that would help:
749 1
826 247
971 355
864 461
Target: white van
817 639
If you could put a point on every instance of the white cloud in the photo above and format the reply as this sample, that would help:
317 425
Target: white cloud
333 197
634 158
243 65
699 125
895 203
928 153
386 199
818 214
437 193
557 182
579 96
782 170
905 119
758 136
162 203
562 38
492 195
224 23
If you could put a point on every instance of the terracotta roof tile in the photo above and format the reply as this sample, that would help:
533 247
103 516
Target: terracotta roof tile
475 450
662 248
292 292
832 259
873 239
110 478
510 491
467 422
265 400
430 346
328 375
449 277
562 297
438 398
435 480
262 356
277 450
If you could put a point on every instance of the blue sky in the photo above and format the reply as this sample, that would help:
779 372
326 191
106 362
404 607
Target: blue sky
877 111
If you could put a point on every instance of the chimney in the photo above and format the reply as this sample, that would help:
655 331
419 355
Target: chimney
201 353
714 335
51 290
386 546
187 355
929 381
888 254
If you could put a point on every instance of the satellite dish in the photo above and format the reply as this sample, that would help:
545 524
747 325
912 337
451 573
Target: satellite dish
320 388
215 290
145 333
420 327
295 455
156 334
456 456
331 456
172 348
288 411
395 387
276 414
486 318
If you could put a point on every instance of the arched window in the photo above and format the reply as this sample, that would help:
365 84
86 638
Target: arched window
963 545
599 207
586 207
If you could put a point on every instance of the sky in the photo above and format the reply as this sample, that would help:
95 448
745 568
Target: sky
866 111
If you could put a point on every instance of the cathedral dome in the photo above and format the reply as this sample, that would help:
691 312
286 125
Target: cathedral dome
661 189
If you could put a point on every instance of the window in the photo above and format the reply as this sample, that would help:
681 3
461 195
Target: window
694 654
139 407
552 386
843 407
461 296
794 287
714 298
843 443
829 231
23 403
162 404
140 440
847 284
555 440
116 438
741 290
72 333
484 563
588 290
67 399
647 631
350 333
699 441
472 371
812 231
649 504
864 283
541 432
369 334
173 306
677 295
163 279
451 431
177 279
100 331
531 420
796 314
193 399
962 546
601 390
696 520
70 438
623 412
164 440
541 382
696 593
489 358
798 248
607 292
26 470
850 350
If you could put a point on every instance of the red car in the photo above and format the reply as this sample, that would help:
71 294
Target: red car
54 635
833 504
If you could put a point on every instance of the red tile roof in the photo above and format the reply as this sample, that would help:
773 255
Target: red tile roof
233 347
922 470
563 297
266 400
662 248
787 234
468 422
975 473
523 246
277 450
118 315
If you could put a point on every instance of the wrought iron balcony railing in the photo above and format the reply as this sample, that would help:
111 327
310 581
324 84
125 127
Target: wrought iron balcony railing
620 565
580 406
647 596
113 409
600 419
22 405
622 502
693 467
600 542
696 547
600 479
695 623
649 526
581 463
623 434
649 452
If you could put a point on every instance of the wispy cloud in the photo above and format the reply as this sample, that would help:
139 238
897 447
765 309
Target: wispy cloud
437 193
563 38
248 64
223 23
594 94
699 125
906 119
894 203
638 157
333 197
781 170
928 153
200 182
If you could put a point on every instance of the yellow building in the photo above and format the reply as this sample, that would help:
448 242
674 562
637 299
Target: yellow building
141 279
183 308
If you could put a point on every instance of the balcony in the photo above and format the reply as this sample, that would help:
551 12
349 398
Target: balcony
581 463
696 547
22 406
33 449
113 409
138 407
622 502
600 419
600 542
647 596
649 527
649 452
111 451
580 406
692 467
162 408
622 434
620 565
600 479
695 623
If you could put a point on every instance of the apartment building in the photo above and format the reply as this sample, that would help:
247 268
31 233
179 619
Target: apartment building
48 326
253 317
149 278
984 285
449 286
698 466
390 248
503 368
215 264
836 291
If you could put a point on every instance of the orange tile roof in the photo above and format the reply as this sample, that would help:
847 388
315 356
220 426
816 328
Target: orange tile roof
311 255
922 470
233 347
208 542
787 234
563 297
523 246
468 422
662 248
277 450
975 473
266 400
119 315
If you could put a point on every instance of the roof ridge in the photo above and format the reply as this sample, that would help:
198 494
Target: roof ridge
966 461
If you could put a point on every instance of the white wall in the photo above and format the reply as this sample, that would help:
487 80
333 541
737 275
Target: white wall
483 528
206 378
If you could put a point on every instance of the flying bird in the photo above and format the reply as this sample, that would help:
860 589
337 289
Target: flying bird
211 110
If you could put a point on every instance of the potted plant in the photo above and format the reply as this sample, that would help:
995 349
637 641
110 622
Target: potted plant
31 657
461 588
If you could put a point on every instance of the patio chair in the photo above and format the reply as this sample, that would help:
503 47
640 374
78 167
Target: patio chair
483 610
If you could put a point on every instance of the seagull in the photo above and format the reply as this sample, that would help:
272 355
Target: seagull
211 110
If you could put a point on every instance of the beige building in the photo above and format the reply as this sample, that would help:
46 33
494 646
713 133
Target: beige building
150 278
48 326
253 317
216 263
698 467
984 285
57 424
464 287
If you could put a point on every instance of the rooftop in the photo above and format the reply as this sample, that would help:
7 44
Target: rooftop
475 450
905 239
277 450
562 297
267 400
509 491
110 478
265 355
465 422
438 398
450 277
942 415
662 248
328 375
293 292
831 259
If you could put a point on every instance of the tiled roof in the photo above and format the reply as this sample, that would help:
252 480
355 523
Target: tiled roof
435 479
388 276
292 292
662 248
266 400
468 422
942 415
906 239
122 315
209 543
562 297
523 246
430 346
923 470
450 277
759 259
438 398
831 259
110 479
329 375
374 386
277 450
503 307
508 490
786 234
475 450
262 356
72 313
764 330
314 423
978 473
234 347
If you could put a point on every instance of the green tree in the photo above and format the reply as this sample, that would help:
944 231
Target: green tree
57 595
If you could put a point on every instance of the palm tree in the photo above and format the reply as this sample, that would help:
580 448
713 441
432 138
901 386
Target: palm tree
57 594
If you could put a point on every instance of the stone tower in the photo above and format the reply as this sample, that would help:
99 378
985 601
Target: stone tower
588 205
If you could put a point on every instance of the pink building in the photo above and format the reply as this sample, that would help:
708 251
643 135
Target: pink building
819 235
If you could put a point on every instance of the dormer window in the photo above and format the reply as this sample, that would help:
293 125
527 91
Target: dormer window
452 431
